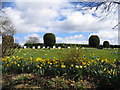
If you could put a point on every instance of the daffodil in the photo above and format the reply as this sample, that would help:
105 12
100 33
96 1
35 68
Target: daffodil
81 80
108 72
50 63
102 61
80 66
30 58
63 66
9 60
83 63
88 64
106 60
72 65
55 62
114 60
38 59
72 81
113 73
15 62
13 57
8 65
77 66
3 59
18 65
104 69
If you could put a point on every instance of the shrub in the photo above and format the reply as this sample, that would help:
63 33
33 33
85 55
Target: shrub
7 45
94 41
71 55
106 44
49 39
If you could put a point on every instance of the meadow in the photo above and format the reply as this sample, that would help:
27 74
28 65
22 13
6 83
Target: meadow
65 68
110 54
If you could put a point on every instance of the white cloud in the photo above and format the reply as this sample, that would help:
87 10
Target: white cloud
77 22
76 39
35 17
41 0
31 35
21 24
32 17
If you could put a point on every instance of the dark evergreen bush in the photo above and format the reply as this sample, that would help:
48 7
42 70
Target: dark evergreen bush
106 44
7 45
94 41
49 39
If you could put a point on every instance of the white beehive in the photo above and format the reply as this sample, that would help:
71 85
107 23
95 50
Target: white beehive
69 47
38 47
24 47
54 47
33 47
59 47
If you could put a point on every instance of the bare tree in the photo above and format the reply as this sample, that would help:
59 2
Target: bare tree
6 27
32 40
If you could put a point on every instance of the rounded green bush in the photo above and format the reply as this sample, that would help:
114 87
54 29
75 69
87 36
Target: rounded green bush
7 45
49 39
94 41
106 44
7 41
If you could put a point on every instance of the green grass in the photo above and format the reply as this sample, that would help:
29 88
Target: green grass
54 53
102 53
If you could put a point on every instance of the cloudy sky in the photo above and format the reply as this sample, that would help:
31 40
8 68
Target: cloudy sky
65 19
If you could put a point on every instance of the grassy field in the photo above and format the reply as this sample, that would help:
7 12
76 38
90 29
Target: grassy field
110 54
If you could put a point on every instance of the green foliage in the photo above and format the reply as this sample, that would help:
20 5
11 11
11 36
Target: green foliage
94 41
106 44
49 39
7 45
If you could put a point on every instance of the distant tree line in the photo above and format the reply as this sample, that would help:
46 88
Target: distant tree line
50 41
65 45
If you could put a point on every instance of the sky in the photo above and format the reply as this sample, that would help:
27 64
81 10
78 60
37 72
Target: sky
65 19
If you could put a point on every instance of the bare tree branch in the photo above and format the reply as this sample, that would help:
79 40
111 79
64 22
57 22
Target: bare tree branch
106 8
6 26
